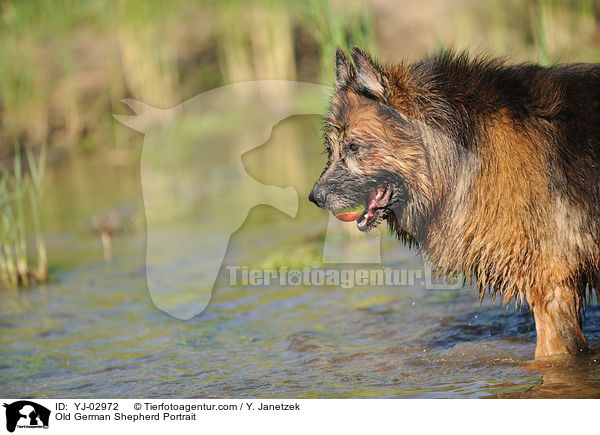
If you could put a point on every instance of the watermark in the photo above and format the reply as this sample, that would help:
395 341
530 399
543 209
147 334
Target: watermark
197 193
346 278
25 414
307 276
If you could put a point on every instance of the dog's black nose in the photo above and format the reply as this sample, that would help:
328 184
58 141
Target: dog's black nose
318 195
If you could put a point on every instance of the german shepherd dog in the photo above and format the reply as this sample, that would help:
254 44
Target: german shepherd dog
491 169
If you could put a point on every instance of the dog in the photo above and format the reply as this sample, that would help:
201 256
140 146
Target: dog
491 169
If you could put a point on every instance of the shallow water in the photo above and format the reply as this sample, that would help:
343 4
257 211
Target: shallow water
95 332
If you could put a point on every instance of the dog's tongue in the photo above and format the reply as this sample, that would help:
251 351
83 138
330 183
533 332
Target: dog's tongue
348 217
377 198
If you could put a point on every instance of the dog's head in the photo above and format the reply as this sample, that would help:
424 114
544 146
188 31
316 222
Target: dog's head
377 166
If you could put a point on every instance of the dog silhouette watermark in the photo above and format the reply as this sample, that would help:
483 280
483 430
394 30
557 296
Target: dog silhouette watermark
192 207
26 414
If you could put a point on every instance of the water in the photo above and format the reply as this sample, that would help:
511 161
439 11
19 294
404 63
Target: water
93 332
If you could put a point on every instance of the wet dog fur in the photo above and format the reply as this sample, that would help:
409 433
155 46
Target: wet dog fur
491 169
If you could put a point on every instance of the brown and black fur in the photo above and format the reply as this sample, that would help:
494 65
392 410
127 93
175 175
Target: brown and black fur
491 169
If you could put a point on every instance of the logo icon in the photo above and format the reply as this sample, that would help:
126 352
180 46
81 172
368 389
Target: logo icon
26 414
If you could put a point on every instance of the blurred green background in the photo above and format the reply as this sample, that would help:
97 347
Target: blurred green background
66 65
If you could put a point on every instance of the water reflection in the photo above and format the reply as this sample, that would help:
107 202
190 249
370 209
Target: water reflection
574 377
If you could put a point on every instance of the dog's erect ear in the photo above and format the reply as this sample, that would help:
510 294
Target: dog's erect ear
369 75
344 71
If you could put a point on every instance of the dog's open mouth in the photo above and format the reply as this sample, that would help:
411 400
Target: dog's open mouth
373 212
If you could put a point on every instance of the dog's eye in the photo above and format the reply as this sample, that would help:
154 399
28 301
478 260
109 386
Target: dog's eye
353 146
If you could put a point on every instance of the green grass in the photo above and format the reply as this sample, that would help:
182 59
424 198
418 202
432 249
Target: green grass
341 26
21 191
67 63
